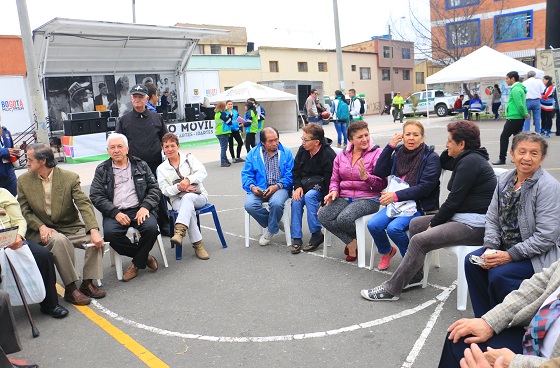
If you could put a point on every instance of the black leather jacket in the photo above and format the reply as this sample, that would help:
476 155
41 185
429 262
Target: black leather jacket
102 187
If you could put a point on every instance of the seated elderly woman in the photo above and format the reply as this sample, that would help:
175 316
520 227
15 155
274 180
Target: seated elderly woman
417 165
354 190
522 227
180 179
460 219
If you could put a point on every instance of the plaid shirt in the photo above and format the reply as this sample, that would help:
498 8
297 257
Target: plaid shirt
272 167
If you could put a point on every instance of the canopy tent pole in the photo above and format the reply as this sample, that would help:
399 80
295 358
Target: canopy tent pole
427 105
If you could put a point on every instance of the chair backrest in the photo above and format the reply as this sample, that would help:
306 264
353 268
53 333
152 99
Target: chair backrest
498 171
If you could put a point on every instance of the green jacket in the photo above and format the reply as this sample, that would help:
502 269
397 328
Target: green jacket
516 107
398 100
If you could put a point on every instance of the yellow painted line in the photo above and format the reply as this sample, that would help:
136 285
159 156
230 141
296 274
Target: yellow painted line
128 342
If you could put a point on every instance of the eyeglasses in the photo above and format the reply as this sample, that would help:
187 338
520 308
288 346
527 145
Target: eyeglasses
306 140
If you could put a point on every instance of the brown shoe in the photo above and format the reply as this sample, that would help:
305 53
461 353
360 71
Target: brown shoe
152 263
200 251
89 289
76 297
130 273
180 232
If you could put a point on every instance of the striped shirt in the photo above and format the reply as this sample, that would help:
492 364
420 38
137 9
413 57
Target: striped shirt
272 167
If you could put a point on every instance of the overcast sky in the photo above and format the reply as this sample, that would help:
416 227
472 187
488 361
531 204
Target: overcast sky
289 23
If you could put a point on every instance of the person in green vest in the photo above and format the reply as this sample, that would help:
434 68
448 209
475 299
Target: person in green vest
222 130
398 102
251 125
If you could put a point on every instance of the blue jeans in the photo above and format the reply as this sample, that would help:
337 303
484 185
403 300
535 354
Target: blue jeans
341 131
396 229
315 120
312 200
488 288
223 138
535 107
465 112
269 219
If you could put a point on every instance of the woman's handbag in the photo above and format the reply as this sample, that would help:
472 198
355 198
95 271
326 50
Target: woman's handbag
399 209
28 273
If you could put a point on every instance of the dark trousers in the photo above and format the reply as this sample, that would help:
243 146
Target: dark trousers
9 182
496 108
115 233
511 127
9 339
162 214
237 135
546 121
488 288
45 262
557 112
250 141
510 338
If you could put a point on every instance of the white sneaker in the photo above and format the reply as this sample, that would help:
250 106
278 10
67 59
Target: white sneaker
265 238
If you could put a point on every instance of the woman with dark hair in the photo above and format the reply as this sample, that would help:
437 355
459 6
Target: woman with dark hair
339 125
222 131
231 115
251 125
354 189
522 227
547 106
460 219
180 179
418 166
496 101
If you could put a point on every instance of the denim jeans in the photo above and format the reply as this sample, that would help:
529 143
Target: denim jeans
223 138
271 218
341 132
315 120
396 229
312 200
535 107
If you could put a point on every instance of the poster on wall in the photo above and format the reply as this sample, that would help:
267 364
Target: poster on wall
16 110
166 83
80 92
147 78
58 101
122 89
104 92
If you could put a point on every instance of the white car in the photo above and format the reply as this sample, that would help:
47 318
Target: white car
438 101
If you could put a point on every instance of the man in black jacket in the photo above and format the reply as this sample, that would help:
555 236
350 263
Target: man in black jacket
312 172
126 193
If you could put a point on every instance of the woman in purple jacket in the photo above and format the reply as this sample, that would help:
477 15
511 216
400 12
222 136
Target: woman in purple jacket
354 190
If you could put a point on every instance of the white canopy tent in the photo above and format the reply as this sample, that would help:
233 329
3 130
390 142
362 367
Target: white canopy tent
484 63
281 107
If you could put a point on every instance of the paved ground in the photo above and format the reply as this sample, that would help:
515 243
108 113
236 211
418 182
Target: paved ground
256 306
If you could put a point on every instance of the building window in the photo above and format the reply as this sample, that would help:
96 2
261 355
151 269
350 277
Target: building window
513 26
273 66
231 50
216 49
365 73
322 66
353 68
463 34
406 53
302 66
419 77
386 52
385 74
451 4
406 74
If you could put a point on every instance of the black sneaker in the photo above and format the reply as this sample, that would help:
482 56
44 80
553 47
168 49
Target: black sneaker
378 294
499 162
296 245
317 239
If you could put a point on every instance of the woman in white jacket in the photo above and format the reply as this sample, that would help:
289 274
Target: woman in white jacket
180 179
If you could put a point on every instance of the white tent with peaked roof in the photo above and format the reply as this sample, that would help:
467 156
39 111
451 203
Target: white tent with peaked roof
281 107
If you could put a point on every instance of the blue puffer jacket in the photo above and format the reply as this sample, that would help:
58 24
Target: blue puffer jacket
426 190
254 171
6 169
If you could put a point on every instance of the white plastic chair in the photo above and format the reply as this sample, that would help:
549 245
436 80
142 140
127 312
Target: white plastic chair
286 219
116 259
461 251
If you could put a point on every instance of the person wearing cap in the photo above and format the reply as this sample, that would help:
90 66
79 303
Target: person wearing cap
144 130
78 95
59 106
398 102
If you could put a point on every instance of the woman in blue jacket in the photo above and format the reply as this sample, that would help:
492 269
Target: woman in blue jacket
251 125
232 115
416 164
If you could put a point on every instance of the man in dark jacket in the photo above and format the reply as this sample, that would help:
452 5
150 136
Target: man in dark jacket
126 193
312 172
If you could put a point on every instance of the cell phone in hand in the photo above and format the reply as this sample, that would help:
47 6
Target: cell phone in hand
265 193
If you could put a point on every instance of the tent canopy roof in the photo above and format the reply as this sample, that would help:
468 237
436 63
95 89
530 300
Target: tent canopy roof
83 47
481 64
243 91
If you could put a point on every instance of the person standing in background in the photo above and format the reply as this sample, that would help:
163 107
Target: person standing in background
223 130
398 102
152 96
496 101
232 115
311 107
535 88
355 105
547 106
251 125
8 154
164 103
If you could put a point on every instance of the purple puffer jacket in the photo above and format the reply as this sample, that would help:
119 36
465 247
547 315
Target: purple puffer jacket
346 180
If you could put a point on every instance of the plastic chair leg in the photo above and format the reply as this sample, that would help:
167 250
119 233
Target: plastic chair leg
287 219
118 263
247 228
162 251
326 242
218 228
